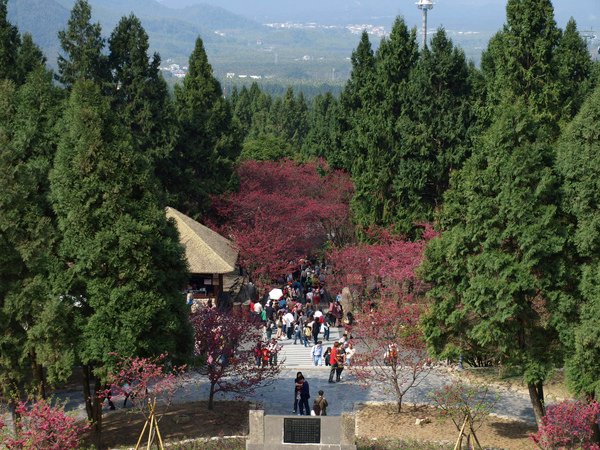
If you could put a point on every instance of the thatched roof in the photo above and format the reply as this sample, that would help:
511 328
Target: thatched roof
205 250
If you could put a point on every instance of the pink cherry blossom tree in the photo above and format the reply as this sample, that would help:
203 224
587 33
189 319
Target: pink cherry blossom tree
390 350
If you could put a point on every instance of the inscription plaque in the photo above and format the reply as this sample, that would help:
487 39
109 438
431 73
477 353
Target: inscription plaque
302 431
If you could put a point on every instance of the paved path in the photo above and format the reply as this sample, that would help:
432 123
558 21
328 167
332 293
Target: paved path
278 397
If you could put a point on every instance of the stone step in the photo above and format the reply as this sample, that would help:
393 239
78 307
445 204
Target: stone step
298 356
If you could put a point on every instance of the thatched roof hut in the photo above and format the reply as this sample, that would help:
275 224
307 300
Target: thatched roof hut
207 252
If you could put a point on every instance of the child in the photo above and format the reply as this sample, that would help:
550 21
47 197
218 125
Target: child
320 405
327 355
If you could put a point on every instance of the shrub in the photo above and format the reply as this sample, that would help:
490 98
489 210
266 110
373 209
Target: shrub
42 426
458 401
568 424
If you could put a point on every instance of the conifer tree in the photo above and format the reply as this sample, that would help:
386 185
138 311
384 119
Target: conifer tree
574 67
29 58
497 271
578 162
140 93
122 258
83 46
519 60
28 226
358 91
377 141
322 125
9 44
433 131
202 162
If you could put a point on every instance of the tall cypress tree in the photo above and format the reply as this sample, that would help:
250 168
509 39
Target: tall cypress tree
433 129
358 91
121 255
519 60
83 45
9 44
140 93
203 158
578 162
377 141
497 271
28 226
574 68
322 126
29 58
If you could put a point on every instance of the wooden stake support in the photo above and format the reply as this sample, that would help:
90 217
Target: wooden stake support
468 434
153 431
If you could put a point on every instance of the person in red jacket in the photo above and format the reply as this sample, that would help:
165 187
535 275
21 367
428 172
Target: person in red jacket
333 360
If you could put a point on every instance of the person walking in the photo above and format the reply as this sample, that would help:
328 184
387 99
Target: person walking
273 350
304 396
320 405
326 330
327 356
316 353
288 319
297 390
341 360
316 329
297 332
333 361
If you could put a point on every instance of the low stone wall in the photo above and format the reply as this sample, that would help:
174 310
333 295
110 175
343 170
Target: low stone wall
267 432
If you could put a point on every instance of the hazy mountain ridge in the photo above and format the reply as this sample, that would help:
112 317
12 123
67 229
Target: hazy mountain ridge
480 15
237 44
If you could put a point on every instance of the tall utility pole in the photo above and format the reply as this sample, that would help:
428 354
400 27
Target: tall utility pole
425 5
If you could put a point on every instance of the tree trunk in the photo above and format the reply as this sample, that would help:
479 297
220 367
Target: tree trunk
536 395
399 404
97 413
39 377
211 397
93 405
87 393
14 415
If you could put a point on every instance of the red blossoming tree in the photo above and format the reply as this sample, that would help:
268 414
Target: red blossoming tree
385 268
283 211
569 424
390 350
42 426
226 342
142 380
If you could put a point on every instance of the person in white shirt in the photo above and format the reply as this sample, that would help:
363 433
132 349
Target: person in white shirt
316 353
350 354
288 319
258 307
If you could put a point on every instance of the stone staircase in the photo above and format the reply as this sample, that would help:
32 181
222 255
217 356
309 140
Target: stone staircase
298 356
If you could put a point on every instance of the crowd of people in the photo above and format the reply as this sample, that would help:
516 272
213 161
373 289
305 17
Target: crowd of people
305 312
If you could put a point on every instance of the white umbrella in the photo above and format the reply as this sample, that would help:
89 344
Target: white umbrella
275 294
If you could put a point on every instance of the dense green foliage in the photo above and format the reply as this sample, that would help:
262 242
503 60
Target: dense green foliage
505 269
579 164
82 44
201 163
503 160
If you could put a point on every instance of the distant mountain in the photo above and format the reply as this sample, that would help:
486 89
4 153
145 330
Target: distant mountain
240 46
479 15
172 31
41 18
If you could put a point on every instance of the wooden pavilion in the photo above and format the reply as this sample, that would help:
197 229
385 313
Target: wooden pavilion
210 256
